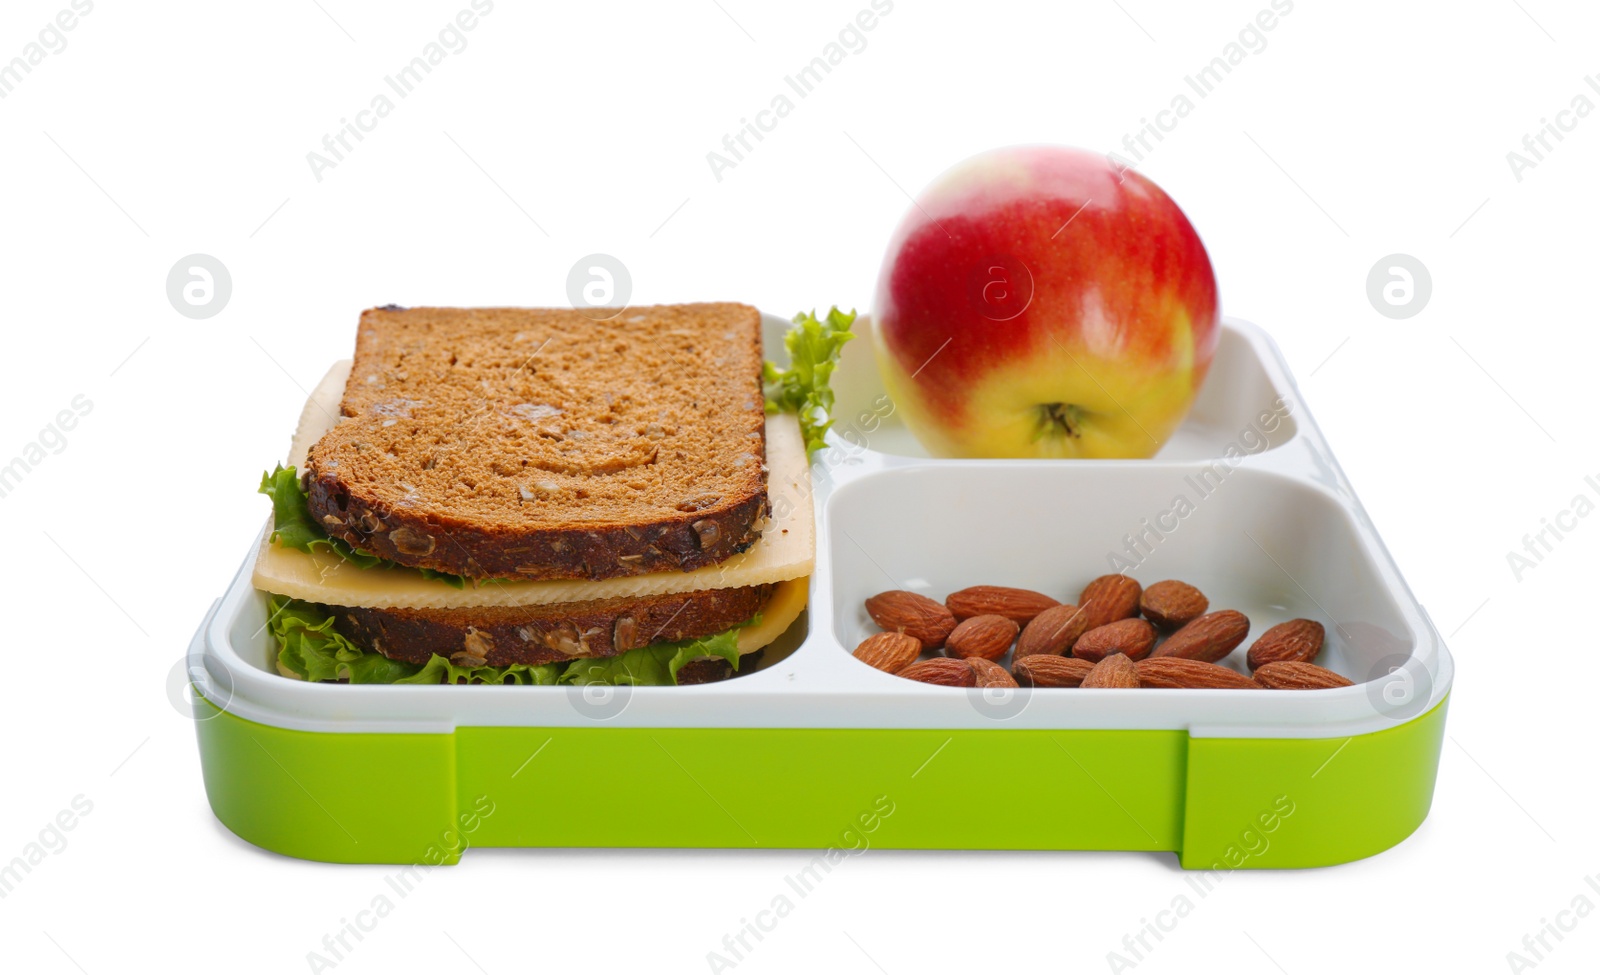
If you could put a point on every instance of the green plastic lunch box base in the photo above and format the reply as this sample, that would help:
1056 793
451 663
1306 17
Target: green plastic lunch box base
1219 803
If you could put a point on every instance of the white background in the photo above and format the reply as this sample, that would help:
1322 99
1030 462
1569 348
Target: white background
1361 130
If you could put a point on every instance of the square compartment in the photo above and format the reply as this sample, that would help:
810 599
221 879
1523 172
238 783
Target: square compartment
1273 547
1243 383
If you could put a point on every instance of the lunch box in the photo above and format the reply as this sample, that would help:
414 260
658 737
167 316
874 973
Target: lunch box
811 748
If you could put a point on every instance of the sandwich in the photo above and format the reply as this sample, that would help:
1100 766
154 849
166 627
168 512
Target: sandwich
530 496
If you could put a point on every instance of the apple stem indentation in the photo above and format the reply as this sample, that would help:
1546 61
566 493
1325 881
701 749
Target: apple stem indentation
1059 420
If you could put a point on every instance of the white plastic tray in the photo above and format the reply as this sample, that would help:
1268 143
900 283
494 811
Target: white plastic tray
1275 532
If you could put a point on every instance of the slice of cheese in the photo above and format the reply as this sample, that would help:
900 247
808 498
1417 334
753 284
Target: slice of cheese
319 415
781 610
786 549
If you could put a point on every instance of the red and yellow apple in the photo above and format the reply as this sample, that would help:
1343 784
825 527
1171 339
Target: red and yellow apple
1044 302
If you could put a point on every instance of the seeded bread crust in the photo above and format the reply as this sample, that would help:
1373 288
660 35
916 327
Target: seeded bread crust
540 444
502 635
709 670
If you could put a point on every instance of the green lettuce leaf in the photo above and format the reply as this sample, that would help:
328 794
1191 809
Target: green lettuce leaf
293 526
311 649
813 345
439 670
654 665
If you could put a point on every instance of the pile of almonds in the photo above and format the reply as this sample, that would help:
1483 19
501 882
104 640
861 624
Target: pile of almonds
1112 637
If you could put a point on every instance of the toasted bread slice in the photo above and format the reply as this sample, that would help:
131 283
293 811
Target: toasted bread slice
786 549
540 444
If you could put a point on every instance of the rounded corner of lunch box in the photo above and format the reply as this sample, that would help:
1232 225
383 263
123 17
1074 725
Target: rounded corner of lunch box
1309 802
336 798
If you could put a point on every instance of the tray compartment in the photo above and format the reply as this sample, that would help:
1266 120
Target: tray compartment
1269 546
1243 384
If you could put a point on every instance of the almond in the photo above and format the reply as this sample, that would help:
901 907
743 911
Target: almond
1296 675
1017 605
990 674
1133 638
981 636
1053 631
1297 640
1114 671
899 611
1209 638
1178 672
1171 604
1110 598
1046 670
941 670
889 652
